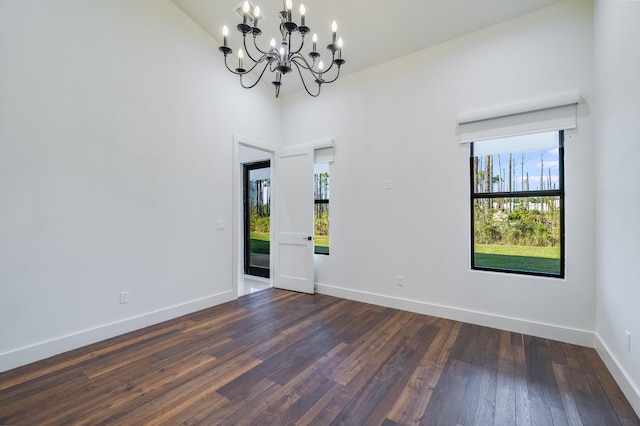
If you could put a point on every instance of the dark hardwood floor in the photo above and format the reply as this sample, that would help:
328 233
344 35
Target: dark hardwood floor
276 358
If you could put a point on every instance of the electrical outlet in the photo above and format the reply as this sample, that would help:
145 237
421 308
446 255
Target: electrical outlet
399 281
627 340
124 297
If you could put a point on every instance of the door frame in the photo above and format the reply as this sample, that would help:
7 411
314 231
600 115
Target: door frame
238 209
237 221
247 267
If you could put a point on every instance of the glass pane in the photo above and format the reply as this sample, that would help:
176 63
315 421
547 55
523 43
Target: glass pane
536 170
321 181
321 210
321 228
260 210
521 234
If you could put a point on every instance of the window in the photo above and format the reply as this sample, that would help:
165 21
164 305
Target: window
321 208
517 204
257 217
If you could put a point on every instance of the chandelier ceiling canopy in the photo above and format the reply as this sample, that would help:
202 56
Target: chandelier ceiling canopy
284 55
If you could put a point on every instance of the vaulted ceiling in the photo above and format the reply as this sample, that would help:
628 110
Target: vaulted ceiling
374 31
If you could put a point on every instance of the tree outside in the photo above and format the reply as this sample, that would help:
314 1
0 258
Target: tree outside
321 212
511 228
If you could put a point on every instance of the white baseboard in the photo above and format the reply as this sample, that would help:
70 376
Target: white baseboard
42 350
547 331
629 388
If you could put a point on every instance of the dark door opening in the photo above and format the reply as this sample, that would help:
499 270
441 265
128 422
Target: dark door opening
257 217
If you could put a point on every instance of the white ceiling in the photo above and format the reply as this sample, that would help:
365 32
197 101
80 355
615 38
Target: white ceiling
374 31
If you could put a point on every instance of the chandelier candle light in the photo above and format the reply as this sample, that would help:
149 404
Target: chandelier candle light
282 59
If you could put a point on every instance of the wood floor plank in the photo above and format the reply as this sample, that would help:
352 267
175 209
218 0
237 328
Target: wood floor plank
117 359
245 407
131 391
445 404
370 345
277 357
288 403
372 403
413 401
323 411
19 401
171 404
505 384
479 397
283 365
197 412
570 406
73 358
523 412
609 386
294 332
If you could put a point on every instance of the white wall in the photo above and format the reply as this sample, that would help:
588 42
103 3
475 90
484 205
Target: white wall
116 163
617 115
116 153
398 121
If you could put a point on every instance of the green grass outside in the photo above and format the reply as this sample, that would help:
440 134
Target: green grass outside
522 258
321 244
260 243
260 236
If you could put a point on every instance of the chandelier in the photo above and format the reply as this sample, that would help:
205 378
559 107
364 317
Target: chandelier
283 57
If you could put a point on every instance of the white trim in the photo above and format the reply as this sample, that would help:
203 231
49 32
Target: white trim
628 387
237 249
324 155
26 355
317 144
519 107
547 331
253 143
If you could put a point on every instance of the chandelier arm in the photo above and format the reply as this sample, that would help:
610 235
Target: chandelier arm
257 81
246 71
316 74
244 42
253 67
255 44
333 61
308 66
336 77
304 84
304 64
227 65
301 45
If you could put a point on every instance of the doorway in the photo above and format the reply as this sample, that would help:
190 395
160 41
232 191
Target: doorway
256 191
248 151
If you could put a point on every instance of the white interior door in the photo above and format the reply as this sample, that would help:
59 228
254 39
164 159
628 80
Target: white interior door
293 261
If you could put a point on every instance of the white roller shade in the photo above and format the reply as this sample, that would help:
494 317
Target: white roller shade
533 142
324 155
551 113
